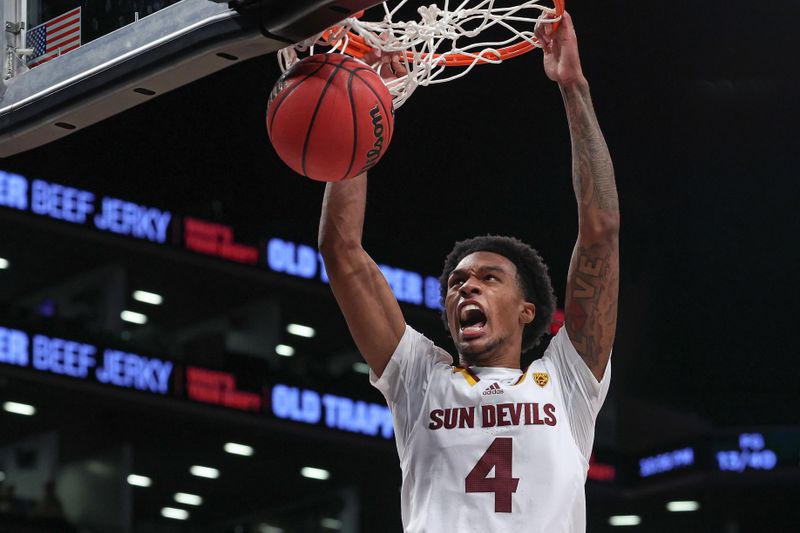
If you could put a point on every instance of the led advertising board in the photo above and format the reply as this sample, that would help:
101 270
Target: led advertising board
120 369
84 361
121 217
77 206
303 261
216 239
334 412
661 463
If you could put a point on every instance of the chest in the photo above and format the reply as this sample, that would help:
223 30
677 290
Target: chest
460 402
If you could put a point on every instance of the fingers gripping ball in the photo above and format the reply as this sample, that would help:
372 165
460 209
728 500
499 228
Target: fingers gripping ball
330 117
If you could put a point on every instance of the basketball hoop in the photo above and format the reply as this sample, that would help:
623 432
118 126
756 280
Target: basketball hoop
442 38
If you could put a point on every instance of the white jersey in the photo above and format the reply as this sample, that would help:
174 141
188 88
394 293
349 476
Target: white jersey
492 449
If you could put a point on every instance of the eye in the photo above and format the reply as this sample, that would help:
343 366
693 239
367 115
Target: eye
455 282
489 277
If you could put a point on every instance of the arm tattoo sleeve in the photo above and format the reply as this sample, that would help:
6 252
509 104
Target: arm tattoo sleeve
593 280
592 170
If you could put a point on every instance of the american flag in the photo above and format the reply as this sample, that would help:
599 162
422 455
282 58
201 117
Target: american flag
55 37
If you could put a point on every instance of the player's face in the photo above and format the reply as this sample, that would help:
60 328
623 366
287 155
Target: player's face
486 310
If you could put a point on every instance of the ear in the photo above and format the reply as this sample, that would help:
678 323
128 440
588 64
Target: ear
527 314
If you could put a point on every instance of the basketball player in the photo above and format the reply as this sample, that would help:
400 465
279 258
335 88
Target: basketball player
485 446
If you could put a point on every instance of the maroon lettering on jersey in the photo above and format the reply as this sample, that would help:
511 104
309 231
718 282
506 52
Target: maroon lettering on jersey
536 420
488 416
528 408
508 414
466 417
550 414
498 457
450 418
502 412
436 419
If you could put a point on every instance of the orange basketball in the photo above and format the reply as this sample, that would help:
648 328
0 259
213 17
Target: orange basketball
330 117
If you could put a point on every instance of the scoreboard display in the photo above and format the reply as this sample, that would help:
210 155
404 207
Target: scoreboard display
756 451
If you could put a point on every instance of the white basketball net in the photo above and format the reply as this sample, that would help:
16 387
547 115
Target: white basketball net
444 31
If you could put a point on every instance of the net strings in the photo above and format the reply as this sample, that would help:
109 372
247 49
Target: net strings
439 33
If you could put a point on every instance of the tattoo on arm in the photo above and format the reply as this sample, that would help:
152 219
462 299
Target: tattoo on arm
593 281
592 170
591 303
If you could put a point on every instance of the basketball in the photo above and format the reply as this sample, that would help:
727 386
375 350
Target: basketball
330 117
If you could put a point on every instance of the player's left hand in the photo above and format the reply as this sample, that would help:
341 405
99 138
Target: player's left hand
562 63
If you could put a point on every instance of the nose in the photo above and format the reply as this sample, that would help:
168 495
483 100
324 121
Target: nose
470 286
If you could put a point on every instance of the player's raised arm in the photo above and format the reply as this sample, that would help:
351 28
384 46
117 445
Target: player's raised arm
372 313
368 304
593 279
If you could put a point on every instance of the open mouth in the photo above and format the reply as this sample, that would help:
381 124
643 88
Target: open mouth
471 319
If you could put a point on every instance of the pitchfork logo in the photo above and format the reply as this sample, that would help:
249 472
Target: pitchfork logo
541 378
494 388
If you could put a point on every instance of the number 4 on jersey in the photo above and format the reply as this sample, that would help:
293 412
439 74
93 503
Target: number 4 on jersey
499 456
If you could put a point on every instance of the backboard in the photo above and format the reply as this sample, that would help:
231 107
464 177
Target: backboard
69 64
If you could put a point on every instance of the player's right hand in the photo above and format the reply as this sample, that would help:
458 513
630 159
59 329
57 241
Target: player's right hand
562 62
389 65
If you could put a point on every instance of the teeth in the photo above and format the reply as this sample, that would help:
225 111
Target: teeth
466 308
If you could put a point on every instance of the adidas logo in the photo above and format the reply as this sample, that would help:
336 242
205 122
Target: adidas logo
494 388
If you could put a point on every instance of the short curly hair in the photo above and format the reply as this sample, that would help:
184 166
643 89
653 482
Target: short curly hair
532 275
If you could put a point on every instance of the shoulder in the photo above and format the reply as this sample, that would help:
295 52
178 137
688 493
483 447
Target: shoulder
415 357
415 343
571 372
562 353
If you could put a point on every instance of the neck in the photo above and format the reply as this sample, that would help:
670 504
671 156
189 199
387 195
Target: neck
493 364
493 356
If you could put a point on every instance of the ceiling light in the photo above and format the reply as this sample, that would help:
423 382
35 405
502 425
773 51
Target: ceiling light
284 350
188 499
331 523
204 471
19 408
4 263
139 481
176 514
682 506
133 317
361 367
301 330
315 473
148 297
239 449
625 520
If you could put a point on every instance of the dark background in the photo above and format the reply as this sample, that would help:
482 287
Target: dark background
698 105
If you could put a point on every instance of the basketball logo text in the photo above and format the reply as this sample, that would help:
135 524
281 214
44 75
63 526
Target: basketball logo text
377 130
280 85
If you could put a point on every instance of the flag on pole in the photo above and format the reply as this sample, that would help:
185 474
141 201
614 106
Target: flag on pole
55 37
